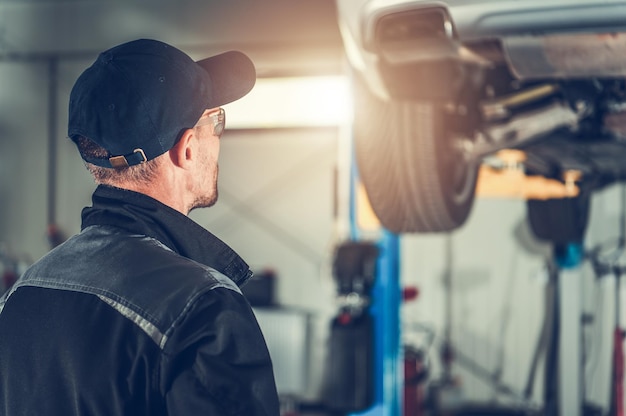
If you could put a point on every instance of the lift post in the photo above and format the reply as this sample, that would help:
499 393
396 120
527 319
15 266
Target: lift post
385 310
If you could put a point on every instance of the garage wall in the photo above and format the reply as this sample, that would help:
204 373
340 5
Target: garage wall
498 280
23 158
495 297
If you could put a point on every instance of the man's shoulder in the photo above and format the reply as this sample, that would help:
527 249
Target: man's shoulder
140 277
106 253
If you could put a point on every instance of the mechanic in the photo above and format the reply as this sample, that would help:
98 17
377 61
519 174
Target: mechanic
141 312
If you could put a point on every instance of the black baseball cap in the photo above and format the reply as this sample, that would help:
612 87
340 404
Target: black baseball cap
138 97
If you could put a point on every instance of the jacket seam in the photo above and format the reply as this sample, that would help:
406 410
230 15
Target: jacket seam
88 289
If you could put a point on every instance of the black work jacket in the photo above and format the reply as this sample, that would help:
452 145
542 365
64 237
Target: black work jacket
138 314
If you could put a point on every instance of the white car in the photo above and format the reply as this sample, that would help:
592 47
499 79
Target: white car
442 85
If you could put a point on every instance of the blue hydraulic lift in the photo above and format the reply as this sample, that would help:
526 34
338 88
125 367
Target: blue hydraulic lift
385 310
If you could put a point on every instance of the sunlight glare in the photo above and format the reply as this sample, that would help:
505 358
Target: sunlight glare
293 102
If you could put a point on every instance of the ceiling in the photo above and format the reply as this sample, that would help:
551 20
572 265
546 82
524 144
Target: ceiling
282 36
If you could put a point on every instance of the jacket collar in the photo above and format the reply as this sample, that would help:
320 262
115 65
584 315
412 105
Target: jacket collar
141 214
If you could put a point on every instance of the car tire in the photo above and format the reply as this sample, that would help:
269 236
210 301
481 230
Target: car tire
413 172
559 221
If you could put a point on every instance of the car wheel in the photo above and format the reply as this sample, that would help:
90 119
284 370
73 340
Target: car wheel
559 221
413 171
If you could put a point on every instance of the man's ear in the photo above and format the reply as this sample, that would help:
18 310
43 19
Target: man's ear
182 153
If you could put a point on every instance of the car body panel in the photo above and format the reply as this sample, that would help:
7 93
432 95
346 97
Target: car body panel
489 18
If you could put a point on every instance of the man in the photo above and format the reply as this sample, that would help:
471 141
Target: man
140 313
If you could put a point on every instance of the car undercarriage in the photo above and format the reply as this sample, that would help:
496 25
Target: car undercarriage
442 87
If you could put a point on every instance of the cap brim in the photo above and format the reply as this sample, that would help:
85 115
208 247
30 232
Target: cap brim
232 76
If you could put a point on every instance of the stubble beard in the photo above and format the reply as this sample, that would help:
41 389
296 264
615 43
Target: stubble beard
208 199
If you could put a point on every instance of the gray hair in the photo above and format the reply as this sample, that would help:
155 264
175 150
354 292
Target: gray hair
141 173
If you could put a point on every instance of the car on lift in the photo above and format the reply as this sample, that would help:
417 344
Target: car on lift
440 87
